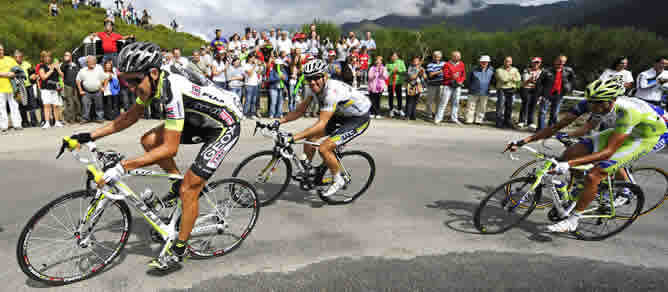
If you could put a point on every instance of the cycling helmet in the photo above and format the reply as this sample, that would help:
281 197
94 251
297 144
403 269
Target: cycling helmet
603 90
315 67
139 57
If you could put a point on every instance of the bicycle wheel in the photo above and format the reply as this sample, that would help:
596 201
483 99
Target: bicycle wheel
48 249
599 228
501 209
654 184
359 169
227 214
528 169
269 174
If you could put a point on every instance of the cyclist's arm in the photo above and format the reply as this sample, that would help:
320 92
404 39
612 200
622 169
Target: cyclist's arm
614 142
298 113
550 131
588 126
129 118
319 126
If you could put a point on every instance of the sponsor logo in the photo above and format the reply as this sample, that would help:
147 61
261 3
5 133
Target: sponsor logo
197 91
170 112
215 153
226 117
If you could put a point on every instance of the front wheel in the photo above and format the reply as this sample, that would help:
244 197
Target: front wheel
358 169
227 214
52 251
507 205
269 173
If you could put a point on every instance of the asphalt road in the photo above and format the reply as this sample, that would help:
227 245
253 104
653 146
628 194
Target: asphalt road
412 231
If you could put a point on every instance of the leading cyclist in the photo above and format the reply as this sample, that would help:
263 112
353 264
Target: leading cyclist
637 128
344 115
197 112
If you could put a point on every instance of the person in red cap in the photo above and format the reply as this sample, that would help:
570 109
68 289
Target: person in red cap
529 93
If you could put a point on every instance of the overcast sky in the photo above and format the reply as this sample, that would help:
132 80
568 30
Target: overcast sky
201 17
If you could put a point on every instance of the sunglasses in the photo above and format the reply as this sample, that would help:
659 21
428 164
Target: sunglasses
314 77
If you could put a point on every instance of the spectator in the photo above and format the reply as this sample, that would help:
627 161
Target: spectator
91 82
235 78
7 93
529 93
112 90
300 43
454 75
145 19
396 70
131 8
352 42
277 79
234 46
313 44
651 81
618 71
364 65
178 59
414 87
369 43
254 39
480 80
248 40
252 71
50 74
199 65
284 44
174 25
333 67
72 112
75 4
109 39
434 81
29 104
53 8
292 94
556 82
350 71
219 41
508 79
110 15
341 51
378 78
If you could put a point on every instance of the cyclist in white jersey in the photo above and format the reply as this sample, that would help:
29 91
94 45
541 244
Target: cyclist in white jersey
197 112
636 129
344 115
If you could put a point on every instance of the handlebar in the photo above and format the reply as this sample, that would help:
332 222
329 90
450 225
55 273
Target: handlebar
74 146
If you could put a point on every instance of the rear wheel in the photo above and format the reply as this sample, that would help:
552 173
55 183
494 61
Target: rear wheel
359 170
506 206
654 184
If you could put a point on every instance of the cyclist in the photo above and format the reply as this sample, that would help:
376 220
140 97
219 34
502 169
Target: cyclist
637 128
197 112
344 115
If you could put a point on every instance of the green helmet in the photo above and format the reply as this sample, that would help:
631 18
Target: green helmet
604 90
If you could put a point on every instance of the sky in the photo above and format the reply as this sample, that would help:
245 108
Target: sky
201 17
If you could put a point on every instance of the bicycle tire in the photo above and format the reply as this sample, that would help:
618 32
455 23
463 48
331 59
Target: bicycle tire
250 203
640 199
545 202
27 262
265 197
347 199
502 190
650 197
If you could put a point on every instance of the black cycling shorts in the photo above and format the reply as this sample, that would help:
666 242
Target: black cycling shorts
342 130
217 143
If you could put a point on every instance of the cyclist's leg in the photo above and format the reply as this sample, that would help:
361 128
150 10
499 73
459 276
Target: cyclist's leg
154 138
351 129
309 150
218 143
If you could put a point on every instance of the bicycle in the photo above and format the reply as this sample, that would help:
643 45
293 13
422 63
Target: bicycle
653 180
81 236
270 182
602 212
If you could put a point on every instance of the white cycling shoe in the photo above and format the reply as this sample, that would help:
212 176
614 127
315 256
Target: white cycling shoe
339 182
569 224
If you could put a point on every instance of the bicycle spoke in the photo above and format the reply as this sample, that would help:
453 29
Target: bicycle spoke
66 232
61 224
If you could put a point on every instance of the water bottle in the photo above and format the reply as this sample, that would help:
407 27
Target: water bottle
148 197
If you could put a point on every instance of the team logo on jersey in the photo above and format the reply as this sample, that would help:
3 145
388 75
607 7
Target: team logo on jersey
170 112
197 91
226 117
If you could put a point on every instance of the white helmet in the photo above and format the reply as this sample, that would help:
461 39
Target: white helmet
315 67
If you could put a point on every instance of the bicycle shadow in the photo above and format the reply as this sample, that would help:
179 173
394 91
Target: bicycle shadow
296 195
461 216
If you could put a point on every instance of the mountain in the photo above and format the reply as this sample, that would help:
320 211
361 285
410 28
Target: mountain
506 17
27 26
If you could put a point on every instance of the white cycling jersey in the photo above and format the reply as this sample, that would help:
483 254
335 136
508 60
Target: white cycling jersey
341 99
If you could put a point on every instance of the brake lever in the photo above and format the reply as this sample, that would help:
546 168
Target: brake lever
62 150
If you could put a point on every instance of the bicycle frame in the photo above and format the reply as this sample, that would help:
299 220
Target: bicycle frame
543 174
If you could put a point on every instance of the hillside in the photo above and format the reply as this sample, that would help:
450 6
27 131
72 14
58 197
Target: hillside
27 26
507 17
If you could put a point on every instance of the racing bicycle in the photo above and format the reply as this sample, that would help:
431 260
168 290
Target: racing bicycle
513 201
652 180
79 234
272 170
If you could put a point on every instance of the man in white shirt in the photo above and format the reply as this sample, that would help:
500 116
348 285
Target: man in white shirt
651 81
618 72
284 44
352 42
219 68
369 43
178 59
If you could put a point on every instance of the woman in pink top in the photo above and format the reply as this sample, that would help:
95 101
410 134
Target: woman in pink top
377 85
